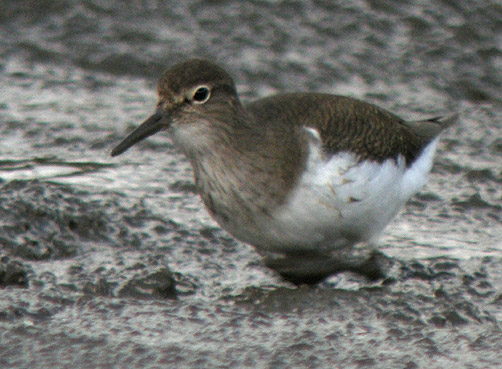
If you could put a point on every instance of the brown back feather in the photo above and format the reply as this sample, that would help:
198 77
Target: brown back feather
348 124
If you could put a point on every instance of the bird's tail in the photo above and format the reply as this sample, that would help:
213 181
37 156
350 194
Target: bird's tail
430 128
444 121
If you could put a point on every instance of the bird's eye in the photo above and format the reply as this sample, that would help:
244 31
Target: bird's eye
201 95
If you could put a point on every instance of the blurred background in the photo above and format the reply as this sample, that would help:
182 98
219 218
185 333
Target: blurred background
111 262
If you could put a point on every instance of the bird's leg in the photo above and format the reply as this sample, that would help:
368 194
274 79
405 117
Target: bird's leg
314 268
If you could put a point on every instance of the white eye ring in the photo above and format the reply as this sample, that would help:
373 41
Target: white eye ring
201 94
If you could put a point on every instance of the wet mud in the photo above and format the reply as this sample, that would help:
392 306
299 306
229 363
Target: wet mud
115 263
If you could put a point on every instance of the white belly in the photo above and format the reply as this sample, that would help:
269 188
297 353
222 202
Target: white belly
340 202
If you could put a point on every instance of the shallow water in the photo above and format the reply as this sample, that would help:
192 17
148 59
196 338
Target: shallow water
112 262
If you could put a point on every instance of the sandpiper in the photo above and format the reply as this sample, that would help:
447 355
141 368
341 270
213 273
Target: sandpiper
300 176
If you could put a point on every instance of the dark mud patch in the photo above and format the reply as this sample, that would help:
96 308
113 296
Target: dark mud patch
141 281
483 175
12 273
154 285
42 221
76 242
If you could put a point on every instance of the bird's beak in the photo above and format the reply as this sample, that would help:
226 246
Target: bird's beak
152 125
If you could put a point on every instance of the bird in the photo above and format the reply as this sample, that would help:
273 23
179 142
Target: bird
302 177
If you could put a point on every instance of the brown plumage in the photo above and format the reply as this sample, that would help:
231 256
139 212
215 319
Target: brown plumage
348 124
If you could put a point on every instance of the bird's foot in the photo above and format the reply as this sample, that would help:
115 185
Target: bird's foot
312 269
